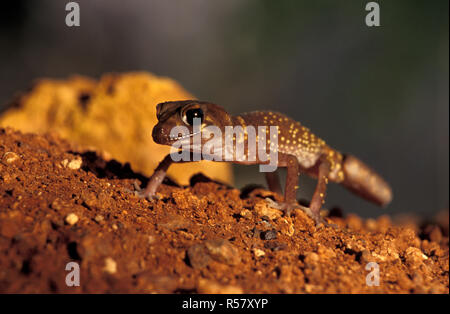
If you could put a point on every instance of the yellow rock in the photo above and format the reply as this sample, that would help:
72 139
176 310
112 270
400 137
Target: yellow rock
115 116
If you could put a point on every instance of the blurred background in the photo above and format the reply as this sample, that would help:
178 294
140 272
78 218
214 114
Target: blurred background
380 93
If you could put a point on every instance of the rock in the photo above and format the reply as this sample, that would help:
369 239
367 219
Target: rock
311 259
269 234
75 164
262 208
354 222
71 219
174 223
149 282
10 157
223 251
211 287
110 266
220 250
246 213
274 246
287 227
435 234
414 257
198 256
258 252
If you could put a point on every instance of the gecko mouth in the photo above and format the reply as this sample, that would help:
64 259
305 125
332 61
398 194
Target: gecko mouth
178 137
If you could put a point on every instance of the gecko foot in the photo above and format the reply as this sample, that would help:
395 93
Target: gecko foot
287 208
141 193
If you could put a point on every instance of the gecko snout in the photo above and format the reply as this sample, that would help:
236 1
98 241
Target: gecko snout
159 135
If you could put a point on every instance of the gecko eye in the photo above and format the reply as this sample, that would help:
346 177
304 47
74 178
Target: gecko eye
189 115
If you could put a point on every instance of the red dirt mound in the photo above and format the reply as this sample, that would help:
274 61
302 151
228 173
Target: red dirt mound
59 206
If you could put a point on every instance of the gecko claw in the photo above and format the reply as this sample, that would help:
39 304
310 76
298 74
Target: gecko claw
287 208
141 193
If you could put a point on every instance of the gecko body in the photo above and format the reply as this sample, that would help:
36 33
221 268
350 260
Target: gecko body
298 150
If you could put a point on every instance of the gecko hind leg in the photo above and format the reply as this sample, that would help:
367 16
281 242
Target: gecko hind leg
290 191
319 195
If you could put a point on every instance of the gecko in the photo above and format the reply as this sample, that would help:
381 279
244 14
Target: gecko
298 150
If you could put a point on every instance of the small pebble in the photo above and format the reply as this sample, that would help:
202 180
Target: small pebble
311 259
75 163
258 252
10 157
110 266
274 246
245 213
414 256
206 286
436 234
223 251
269 235
72 219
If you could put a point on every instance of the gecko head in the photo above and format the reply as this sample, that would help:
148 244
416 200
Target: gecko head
182 114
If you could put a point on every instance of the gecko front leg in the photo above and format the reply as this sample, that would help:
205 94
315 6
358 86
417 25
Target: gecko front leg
319 193
157 178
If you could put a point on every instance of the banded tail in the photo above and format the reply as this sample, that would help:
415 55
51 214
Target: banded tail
365 182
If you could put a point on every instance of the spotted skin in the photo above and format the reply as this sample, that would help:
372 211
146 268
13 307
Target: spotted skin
298 150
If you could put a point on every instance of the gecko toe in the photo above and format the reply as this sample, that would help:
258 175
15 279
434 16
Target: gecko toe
286 208
141 193
149 197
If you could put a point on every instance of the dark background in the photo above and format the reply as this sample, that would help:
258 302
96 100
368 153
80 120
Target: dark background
380 93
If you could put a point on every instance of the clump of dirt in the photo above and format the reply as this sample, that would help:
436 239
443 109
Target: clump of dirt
59 206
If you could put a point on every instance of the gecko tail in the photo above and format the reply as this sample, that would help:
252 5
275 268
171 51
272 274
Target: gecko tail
365 182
